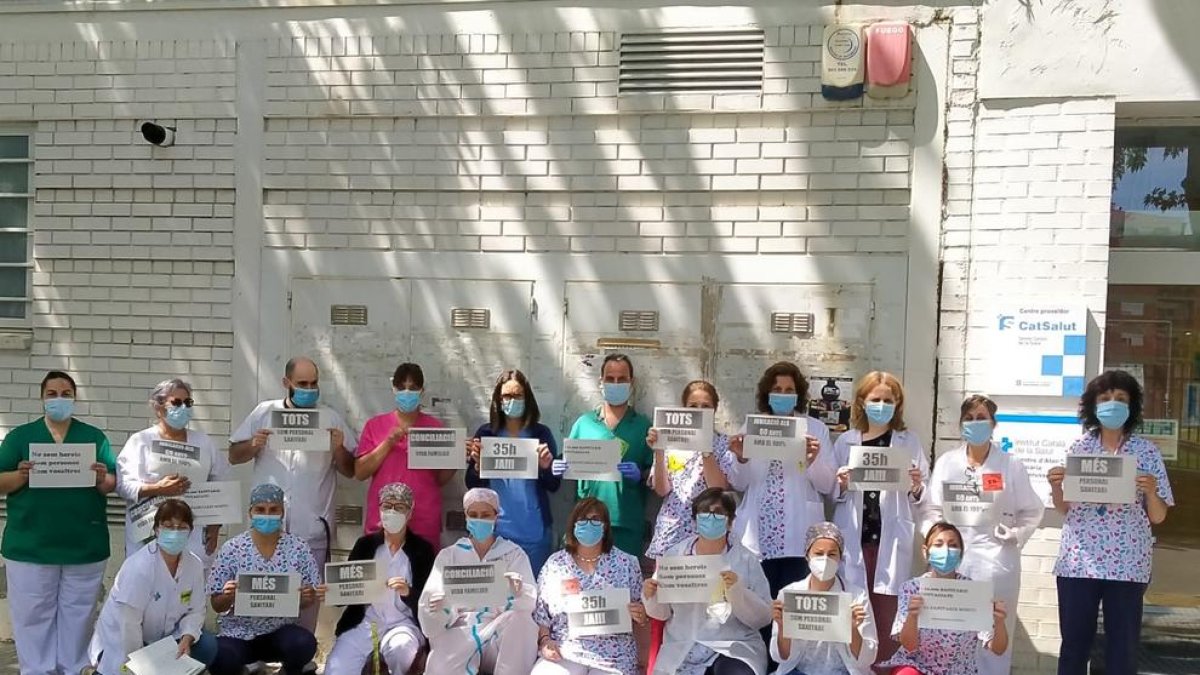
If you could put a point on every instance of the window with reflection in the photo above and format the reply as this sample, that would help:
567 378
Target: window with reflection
1156 188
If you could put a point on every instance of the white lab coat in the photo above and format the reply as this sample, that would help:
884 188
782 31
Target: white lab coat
395 626
307 478
736 638
898 510
987 557
803 504
508 634
137 467
870 641
147 604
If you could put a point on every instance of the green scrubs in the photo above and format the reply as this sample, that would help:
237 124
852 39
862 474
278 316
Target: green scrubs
626 500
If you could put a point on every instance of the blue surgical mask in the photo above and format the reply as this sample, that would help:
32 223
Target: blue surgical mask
480 529
407 400
263 524
178 417
782 404
977 432
1112 414
880 412
712 525
173 541
589 532
616 393
305 398
513 407
59 409
944 559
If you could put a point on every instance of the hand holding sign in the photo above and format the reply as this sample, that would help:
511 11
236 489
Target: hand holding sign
684 428
63 465
400 585
1100 479
508 458
294 429
773 437
873 468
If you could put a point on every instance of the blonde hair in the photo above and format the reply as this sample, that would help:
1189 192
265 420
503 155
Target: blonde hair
858 412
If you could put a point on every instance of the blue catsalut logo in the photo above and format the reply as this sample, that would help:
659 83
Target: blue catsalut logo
1006 321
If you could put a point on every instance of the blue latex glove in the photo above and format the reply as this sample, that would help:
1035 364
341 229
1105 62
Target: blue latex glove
558 467
630 471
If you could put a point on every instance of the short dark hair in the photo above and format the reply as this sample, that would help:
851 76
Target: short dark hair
974 401
408 371
943 526
496 415
1108 381
702 385
289 368
57 375
581 508
173 509
616 358
786 369
714 495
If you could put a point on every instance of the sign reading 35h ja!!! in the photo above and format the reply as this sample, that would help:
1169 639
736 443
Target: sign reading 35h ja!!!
873 468
293 429
1039 350
508 457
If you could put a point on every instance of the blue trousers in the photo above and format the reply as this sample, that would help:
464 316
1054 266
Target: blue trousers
293 646
1079 602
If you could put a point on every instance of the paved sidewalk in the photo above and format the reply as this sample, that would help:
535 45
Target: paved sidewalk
8 658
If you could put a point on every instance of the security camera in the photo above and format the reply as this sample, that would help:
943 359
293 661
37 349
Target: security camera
156 134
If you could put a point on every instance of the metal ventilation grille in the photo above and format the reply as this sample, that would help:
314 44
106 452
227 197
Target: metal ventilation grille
692 61
464 318
634 320
348 315
347 514
791 322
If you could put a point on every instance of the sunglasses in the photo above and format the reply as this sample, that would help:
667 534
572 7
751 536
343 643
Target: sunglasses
178 402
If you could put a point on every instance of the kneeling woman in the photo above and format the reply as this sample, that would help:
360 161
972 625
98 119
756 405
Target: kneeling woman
389 625
935 651
825 552
466 640
158 593
722 638
588 563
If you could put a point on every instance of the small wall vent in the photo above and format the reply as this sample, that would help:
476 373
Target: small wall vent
348 315
692 61
792 322
638 321
470 318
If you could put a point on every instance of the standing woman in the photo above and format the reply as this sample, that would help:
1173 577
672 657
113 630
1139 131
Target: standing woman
879 526
55 539
993 545
383 457
1104 557
588 563
524 504
722 638
146 471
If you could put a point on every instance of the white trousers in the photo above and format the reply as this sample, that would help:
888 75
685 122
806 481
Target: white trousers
511 651
398 648
52 608
565 667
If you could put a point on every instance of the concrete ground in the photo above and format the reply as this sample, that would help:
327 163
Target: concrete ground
8 658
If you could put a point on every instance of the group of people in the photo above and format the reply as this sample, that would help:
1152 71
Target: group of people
766 518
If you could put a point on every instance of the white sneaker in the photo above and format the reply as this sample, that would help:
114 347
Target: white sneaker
256 667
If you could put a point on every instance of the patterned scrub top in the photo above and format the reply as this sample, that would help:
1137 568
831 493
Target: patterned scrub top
939 651
686 469
239 555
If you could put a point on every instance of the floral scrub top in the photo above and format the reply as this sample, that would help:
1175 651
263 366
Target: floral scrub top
1112 541
240 555
561 577
939 651
686 469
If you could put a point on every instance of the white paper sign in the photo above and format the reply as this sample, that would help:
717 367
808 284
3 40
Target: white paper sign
276 595
688 579
874 468
1165 434
436 448
357 582
684 429
817 616
592 460
474 586
1101 479
215 503
141 518
599 612
161 658
1039 350
298 429
1040 441
508 457
956 604
968 505
771 437
170 457
62 465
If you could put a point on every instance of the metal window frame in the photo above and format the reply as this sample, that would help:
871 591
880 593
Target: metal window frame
26 320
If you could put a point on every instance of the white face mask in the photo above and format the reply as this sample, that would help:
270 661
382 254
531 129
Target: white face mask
823 567
393 521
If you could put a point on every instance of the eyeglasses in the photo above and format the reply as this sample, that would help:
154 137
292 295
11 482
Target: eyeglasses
590 522
178 402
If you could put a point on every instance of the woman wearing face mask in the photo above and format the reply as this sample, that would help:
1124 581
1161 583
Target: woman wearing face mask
55 539
808 657
264 548
616 419
589 562
383 457
1104 556
387 627
164 461
879 526
158 593
936 651
466 640
525 504
721 638
994 539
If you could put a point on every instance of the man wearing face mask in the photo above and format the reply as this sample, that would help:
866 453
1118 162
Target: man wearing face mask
616 419
388 626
